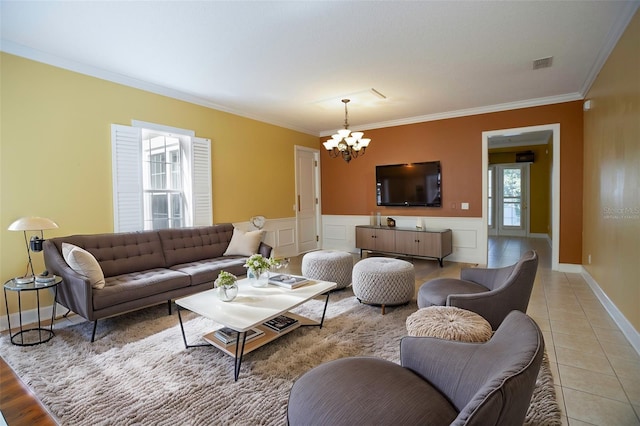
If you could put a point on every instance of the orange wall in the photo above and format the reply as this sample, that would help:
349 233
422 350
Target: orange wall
349 189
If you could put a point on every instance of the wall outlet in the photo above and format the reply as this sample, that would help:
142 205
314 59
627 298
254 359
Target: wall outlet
589 259
464 206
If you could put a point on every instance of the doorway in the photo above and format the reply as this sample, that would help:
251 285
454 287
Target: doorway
555 186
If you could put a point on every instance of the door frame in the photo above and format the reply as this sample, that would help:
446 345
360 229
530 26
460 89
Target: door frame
555 188
316 177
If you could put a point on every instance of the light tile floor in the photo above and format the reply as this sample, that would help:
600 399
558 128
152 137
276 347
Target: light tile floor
595 369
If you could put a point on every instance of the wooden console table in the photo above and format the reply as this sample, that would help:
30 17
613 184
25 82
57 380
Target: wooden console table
431 243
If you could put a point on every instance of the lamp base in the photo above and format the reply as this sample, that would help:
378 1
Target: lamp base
24 280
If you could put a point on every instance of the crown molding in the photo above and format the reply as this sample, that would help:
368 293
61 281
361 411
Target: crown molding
610 43
49 59
569 97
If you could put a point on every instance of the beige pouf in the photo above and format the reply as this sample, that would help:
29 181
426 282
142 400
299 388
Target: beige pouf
449 322
328 265
383 281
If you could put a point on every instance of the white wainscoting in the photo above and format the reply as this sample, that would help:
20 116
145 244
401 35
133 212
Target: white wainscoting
469 234
280 234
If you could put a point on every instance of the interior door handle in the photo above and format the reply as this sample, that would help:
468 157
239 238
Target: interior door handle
298 202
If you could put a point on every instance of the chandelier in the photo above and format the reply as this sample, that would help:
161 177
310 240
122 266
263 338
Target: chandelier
346 143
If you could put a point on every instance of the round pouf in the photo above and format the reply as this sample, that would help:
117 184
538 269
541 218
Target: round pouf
328 265
449 322
383 281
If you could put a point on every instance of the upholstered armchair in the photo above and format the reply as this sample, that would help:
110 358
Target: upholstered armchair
439 382
490 292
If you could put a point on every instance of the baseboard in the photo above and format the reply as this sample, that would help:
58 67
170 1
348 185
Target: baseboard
570 268
625 326
30 317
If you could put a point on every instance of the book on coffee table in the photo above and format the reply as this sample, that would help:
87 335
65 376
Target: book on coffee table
281 323
288 281
228 336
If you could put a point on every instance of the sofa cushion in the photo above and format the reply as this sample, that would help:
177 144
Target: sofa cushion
207 270
83 263
121 253
244 243
138 285
186 245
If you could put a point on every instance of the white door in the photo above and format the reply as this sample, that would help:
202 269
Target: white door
307 202
508 200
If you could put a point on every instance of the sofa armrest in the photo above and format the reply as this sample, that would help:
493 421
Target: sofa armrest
75 291
265 250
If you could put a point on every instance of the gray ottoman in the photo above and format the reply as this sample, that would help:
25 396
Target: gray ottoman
328 265
383 281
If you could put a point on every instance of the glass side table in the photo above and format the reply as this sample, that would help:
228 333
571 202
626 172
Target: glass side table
35 335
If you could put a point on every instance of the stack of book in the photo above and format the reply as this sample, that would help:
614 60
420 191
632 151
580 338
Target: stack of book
281 323
228 336
288 281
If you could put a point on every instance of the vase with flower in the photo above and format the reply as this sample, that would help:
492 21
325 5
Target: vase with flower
226 286
258 270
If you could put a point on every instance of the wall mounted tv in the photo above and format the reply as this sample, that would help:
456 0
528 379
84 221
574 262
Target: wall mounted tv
411 185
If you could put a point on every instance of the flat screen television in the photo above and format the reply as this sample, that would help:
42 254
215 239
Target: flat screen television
411 185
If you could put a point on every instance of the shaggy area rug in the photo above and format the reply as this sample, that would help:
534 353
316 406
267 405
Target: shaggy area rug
138 372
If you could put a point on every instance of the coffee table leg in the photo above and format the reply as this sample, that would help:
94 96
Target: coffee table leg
184 336
241 336
326 303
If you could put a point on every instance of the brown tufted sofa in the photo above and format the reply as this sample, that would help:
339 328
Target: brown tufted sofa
143 268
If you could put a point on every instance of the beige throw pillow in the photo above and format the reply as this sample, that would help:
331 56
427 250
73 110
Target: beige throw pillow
244 243
83 263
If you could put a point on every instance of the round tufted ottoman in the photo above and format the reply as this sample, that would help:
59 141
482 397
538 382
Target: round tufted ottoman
383 281
328 265
448 322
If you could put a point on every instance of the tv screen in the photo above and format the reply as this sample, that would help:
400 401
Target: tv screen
416 184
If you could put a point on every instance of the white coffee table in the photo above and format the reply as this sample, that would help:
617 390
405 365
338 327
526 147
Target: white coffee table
250 309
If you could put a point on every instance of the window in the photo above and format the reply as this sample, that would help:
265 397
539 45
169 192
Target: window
161 178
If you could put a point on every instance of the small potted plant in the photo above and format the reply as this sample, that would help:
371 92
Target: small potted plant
227 286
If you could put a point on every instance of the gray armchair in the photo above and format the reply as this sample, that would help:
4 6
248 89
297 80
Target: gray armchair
490 292
440 382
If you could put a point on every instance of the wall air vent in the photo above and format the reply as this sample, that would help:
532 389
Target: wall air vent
542 63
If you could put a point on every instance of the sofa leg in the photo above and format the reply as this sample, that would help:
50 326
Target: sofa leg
383 309
93 335
169 306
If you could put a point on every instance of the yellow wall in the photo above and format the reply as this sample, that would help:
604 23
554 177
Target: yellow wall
55 154
612 176
539 182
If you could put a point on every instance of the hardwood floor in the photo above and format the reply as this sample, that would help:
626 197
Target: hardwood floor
17 403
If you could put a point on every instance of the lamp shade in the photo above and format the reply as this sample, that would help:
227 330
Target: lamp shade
32 223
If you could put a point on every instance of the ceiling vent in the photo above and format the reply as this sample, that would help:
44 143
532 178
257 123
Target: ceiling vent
542 63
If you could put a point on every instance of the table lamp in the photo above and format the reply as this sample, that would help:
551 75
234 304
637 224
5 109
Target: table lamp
32 223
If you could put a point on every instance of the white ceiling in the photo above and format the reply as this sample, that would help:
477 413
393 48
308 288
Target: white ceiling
290 63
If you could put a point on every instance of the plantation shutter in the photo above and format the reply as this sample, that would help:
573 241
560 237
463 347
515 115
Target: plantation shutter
126 157
201 178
